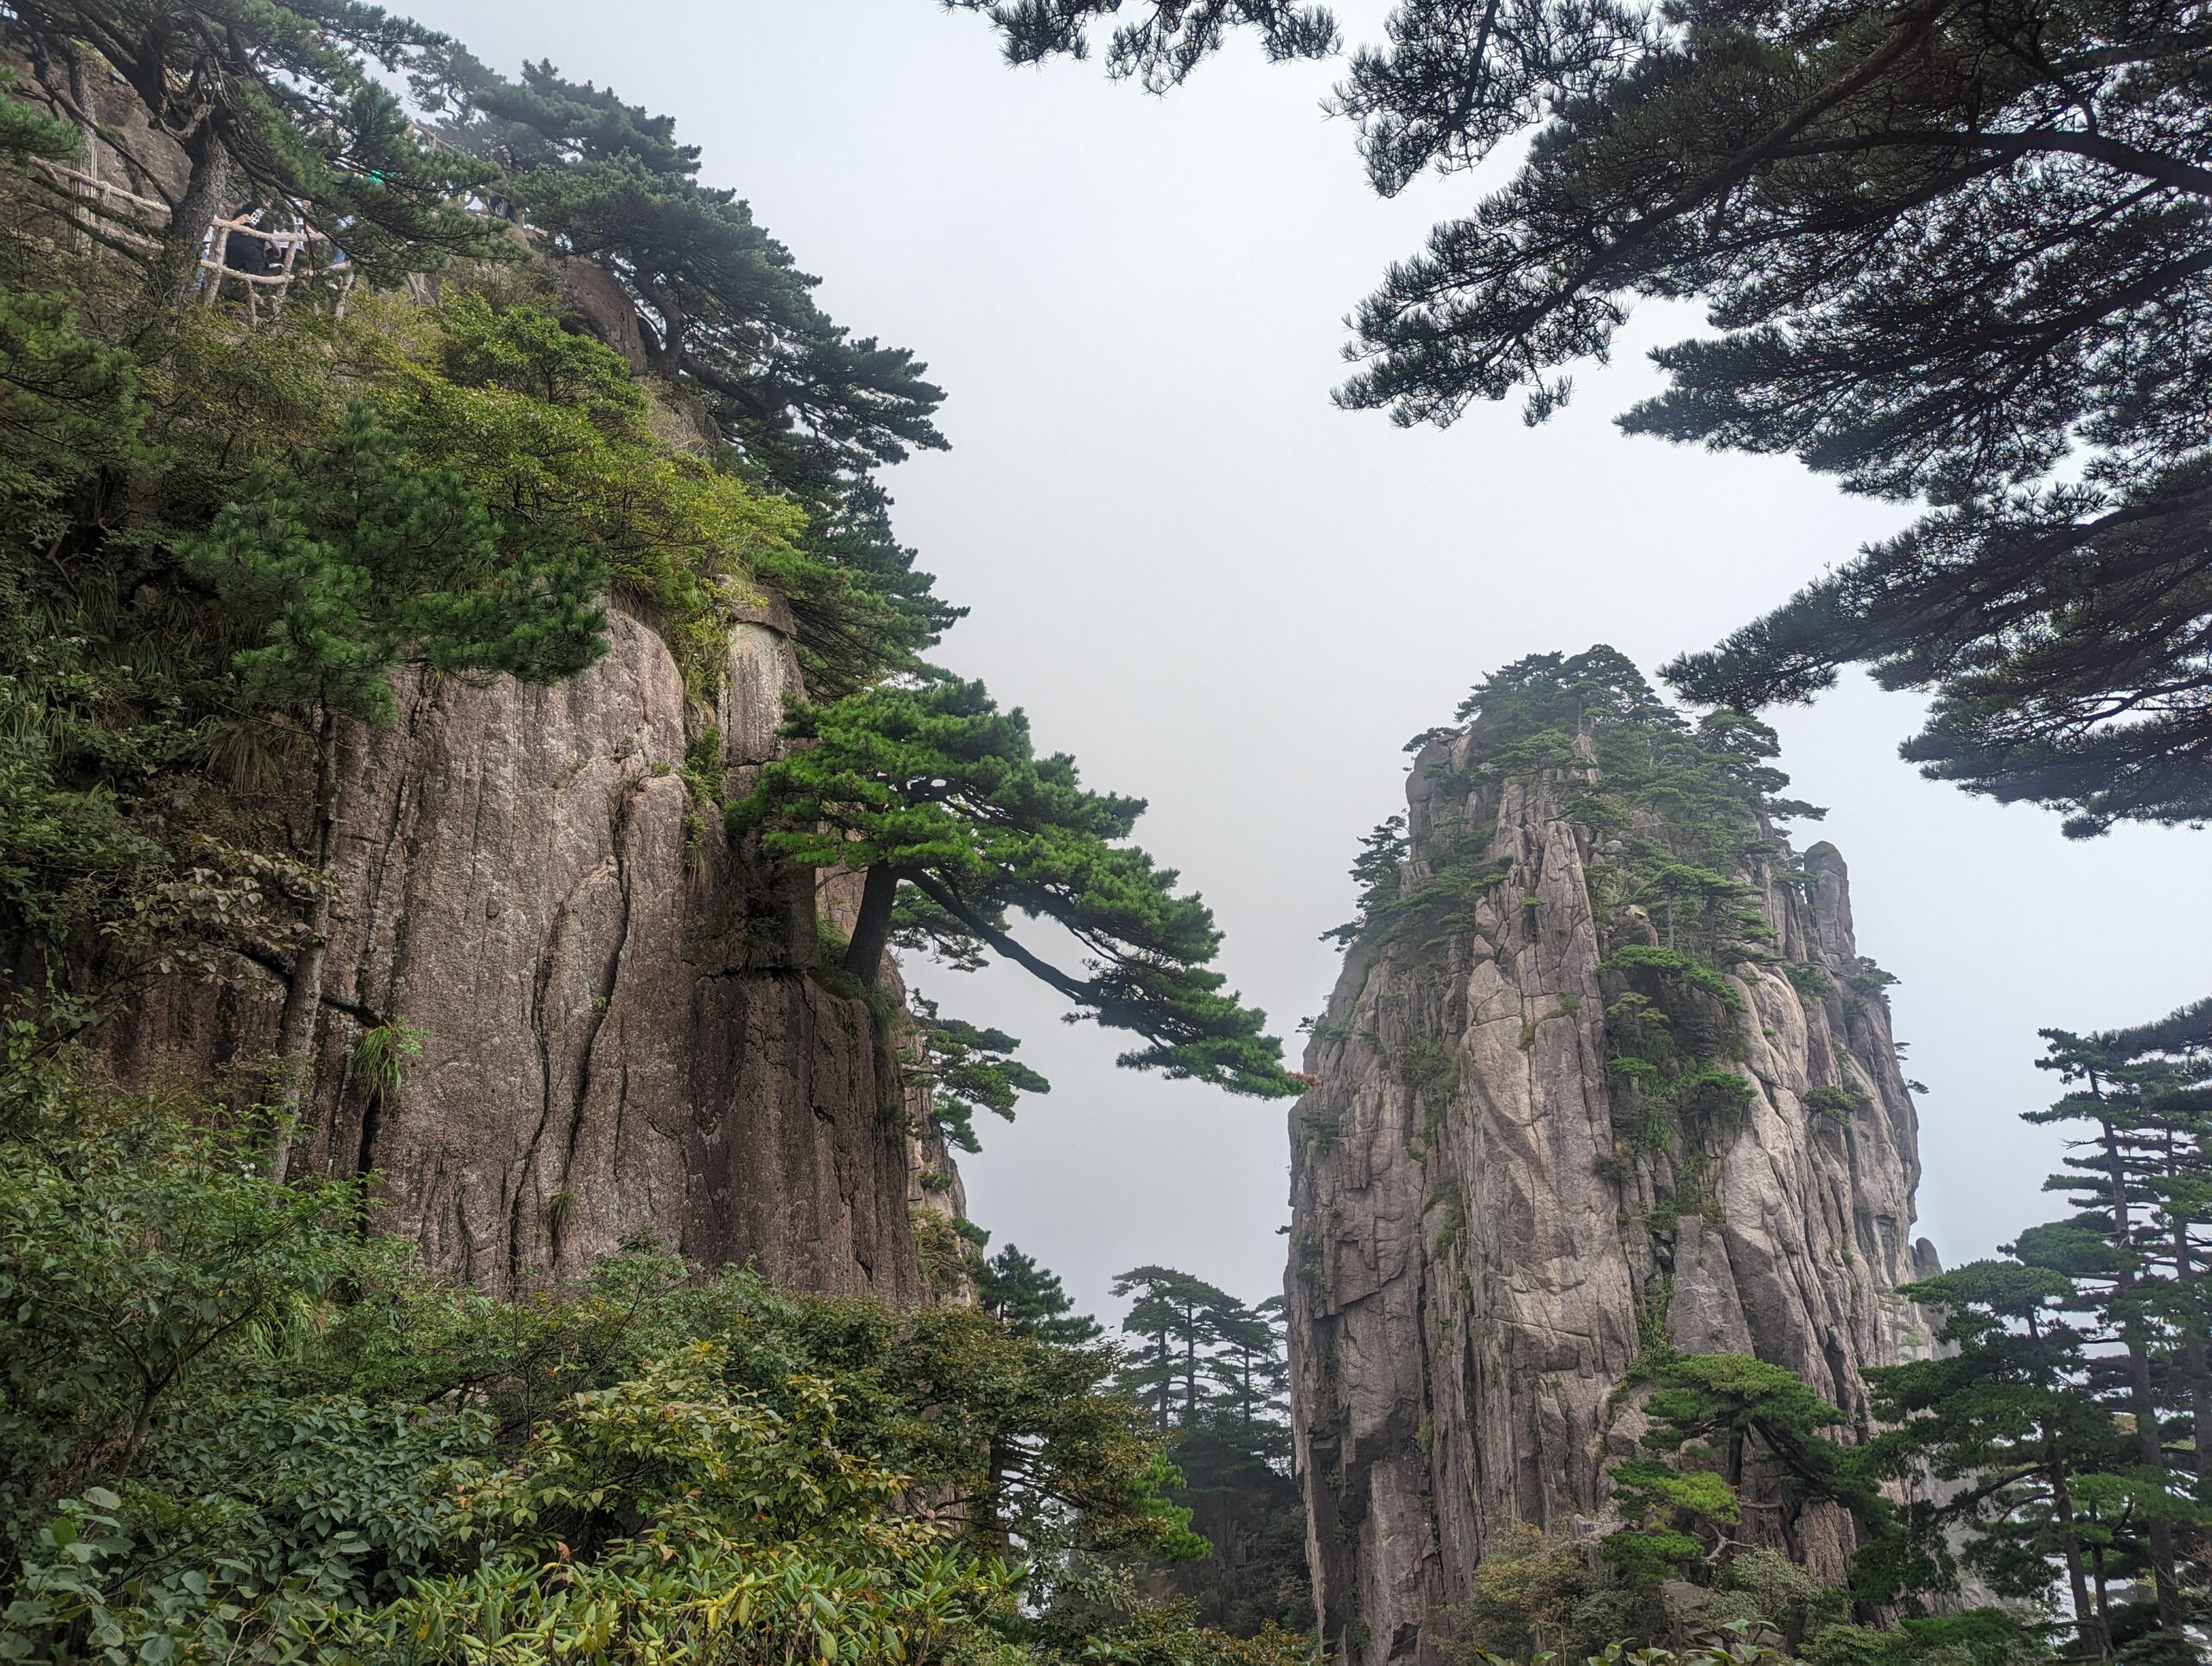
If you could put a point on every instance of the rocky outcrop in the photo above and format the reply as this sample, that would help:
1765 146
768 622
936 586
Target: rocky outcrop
560 1011
621 1030
1490 1228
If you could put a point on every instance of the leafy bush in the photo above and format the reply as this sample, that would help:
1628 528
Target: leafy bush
1535 1593
235 1425
1715 1091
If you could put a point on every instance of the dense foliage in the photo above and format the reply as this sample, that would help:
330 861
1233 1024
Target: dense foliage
724 312
233 1426
218 549
235 1421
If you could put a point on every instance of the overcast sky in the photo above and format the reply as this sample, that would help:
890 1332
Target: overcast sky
1221 594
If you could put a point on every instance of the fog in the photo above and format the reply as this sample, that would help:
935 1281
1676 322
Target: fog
1221 594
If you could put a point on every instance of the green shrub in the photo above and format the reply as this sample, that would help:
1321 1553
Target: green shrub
234 1425
1639 956
1837 1104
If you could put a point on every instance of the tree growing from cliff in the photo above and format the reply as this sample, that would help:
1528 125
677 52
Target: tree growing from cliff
1715 1414
337 571
724 311
969 1069
724 305
1945 249
941 797
1375 870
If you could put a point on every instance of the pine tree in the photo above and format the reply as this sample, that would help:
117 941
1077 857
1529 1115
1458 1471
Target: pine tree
941 797
1736 1406
969 1069
726 312
1250 1370
1211 1370
1168 39
1028 1299
2003 1416
2157 1080
2132 1256
1713 1419
1946 250
1175 1313
342 568
1375 870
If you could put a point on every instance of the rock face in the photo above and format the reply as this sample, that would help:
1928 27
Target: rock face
619 1027
619 1030
1488 1225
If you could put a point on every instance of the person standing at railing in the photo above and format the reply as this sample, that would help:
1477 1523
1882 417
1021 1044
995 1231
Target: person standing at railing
242 252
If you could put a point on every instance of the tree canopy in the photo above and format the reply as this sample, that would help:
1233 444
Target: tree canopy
725 312
939 795
1946 252
1030 1299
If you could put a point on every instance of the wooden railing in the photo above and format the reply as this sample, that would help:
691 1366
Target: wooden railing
123 211
91 195
273 284
124 216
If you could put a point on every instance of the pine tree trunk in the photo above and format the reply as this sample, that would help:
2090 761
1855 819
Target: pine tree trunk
872 926
81 77
2152 1450
2148 1445
2193 1351
195 212
998 1465
82 80
2087 1619
2193 1367
1190 1366
303 996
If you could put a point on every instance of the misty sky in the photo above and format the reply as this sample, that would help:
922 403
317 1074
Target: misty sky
1221 594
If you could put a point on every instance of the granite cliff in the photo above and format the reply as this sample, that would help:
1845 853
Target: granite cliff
622 1025
1603 1070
